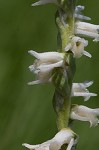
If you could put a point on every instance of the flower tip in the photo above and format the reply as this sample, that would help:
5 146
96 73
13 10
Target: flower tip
23 144
86 98
80 8
40 2
30 51
28 146
35 82
35 4
29 83
88 83
96 40
33 53
43 2
31 67
87 54
94 94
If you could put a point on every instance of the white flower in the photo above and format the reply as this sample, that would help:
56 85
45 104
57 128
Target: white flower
65 136
78 14
80 89
77 46
43 2
87 29
83 113
44 65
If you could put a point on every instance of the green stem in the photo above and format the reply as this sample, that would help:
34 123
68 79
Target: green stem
63 81
63 115
63 78
62 98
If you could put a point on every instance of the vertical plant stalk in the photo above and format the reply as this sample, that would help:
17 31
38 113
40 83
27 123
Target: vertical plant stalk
64 77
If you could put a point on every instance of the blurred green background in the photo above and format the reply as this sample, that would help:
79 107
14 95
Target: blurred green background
26 113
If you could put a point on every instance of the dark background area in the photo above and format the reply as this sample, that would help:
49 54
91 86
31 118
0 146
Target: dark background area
26 112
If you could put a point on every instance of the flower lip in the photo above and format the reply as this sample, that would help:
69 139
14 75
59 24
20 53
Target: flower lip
77 46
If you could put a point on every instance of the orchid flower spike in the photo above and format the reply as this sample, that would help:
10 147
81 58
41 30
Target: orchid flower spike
87 29
83 113
44 65
43 2
80 89
65 136
77 47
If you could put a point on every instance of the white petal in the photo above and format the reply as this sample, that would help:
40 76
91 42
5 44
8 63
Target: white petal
96 111
83 41
84 113
87 84
30 146
43 146
78 86
87 34
43 2
63 137
93 121
35 82
45 68
33 53
68 47
76 39
78 45
32 68
87 54
87 29
79 8
79 89
75 116
84 94
81 17
70 145
86 98
47 56
87 26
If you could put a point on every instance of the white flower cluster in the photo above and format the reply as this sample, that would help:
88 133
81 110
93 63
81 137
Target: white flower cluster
44 65
77 44
65 136
84 113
